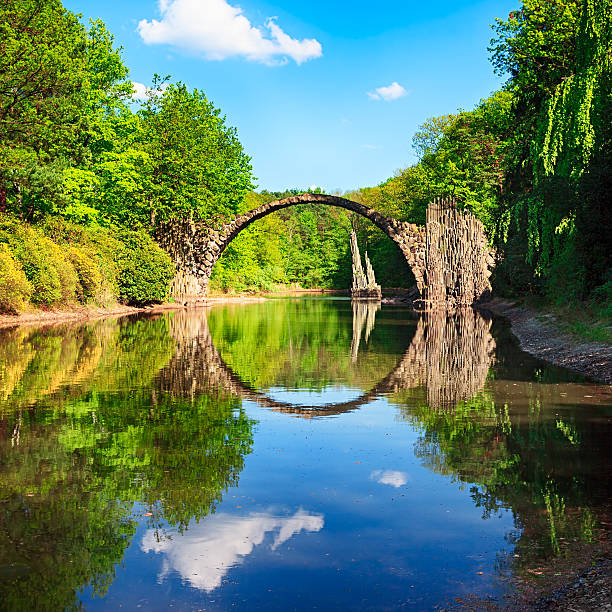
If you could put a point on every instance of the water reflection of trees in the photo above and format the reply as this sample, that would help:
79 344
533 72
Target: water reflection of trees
449 356
519 444
87 429
96 417
302 344
507 439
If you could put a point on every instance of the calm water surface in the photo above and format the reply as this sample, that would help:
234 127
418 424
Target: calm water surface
291 454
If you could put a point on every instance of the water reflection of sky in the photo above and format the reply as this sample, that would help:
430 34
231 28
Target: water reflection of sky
368 522
205 552
421 495
331 394
394 478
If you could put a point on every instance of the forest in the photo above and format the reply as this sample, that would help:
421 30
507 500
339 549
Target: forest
89 176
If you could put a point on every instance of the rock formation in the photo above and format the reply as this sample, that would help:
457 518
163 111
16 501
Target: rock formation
364 285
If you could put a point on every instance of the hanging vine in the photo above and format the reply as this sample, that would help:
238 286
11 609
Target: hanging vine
571 131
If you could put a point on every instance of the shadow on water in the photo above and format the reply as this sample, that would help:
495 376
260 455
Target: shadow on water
146 419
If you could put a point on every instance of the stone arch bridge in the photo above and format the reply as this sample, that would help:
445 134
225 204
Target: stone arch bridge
449 256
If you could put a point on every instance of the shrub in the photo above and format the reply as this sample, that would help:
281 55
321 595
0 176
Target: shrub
51 275
62 262
69 279
38 267
145 270
15 290
89 287
98 247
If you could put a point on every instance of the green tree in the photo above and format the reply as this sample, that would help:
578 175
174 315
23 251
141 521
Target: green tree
554 211
57 84
465 155
196 166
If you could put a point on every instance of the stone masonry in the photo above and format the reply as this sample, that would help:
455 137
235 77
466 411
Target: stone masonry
450 355
196 249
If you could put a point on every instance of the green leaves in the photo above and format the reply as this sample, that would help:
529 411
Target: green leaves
575 124
197 165
59 84
536 45
145 271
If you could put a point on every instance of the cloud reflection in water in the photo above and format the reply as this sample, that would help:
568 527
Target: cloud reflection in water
207 551
390 477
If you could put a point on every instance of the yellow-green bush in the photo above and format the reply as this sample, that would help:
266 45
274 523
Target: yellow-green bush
15 290
89 287
52 276
99 244
63 263
66 273
32 252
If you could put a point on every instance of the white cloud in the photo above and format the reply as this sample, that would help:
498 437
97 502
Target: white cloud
390 477
140 90
391 92
218 30
208 550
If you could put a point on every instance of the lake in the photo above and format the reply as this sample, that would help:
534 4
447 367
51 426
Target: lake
291 454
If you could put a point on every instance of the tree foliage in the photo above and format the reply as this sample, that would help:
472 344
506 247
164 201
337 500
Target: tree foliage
532 161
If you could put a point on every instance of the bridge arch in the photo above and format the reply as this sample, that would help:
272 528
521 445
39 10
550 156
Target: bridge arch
449 256
409 237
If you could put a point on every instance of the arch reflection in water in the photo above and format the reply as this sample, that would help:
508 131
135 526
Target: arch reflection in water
450 355
104 424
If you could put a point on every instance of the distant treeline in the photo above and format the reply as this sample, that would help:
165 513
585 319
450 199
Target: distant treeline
532 161
307 246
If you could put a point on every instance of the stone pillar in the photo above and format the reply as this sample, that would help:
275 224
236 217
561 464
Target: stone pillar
364 284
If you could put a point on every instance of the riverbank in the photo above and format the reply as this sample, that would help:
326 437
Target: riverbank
78 314
584 581
539 335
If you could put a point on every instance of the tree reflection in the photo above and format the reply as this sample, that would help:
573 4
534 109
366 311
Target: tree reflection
517 447
95 418
84 434
448 355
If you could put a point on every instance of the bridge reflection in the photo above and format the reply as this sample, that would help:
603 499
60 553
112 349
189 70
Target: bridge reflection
449 355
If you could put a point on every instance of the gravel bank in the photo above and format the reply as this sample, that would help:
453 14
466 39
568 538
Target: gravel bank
539 336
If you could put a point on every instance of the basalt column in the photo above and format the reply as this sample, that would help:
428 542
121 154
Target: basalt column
364 284
457 257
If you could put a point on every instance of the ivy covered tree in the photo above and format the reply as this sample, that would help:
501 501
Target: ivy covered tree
558 57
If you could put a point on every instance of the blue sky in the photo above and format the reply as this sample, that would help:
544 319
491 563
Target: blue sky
299 80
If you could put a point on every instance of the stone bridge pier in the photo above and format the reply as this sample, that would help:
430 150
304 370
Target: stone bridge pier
449 256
